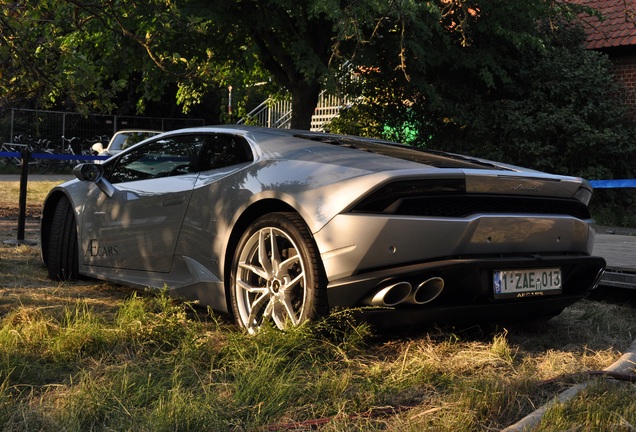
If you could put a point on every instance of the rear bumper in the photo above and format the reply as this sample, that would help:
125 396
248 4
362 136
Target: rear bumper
468 286
354 243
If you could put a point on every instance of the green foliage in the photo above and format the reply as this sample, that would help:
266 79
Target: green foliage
483 78
87 56
58 55
492 78
614 208
157 366
563 115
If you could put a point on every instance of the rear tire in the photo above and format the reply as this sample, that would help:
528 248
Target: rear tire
62 253
277 274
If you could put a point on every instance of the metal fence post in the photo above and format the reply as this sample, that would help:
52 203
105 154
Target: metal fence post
25 156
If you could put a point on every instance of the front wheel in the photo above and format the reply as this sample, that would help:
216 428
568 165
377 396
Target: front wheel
62 258
277 274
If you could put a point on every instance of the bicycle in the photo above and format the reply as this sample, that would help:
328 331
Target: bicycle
26 143
72 146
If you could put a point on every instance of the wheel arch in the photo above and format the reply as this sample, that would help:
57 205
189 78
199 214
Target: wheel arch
251 214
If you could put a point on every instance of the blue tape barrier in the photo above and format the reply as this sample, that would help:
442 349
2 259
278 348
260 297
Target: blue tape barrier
613 184
56 156
24 174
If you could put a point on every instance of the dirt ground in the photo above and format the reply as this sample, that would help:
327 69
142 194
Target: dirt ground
9 208
9 217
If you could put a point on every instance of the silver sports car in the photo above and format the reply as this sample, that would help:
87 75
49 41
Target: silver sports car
284 226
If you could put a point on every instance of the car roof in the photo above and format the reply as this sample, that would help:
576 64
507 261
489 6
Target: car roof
298 144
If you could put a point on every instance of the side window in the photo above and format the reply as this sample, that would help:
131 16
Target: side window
165 157
222 150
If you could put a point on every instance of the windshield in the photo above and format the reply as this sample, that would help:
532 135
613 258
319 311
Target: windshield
123 140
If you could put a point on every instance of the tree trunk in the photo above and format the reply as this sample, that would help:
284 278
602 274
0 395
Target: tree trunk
304 100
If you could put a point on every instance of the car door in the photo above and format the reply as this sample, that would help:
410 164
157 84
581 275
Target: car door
137 228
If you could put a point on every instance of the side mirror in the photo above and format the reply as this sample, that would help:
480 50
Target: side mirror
94 173
97 147
88 172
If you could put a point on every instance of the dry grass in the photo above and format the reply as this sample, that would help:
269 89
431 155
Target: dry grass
90 355
24 280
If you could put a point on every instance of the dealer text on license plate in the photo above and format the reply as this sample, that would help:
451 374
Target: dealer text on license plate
527 282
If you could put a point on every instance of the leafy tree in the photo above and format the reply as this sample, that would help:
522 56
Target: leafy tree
54 56
89 51
565 114
96 50
75 55
442 68
498 85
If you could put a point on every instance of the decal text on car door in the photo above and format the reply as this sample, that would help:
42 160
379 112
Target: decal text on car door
94 249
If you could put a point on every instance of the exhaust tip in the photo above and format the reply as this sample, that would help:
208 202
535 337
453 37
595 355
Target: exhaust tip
427 291
391 295
598 279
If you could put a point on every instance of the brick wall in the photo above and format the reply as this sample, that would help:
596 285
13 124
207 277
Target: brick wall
625 70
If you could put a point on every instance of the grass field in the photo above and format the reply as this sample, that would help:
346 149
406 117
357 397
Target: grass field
89 355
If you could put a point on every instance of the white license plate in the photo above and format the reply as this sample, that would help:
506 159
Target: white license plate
527 282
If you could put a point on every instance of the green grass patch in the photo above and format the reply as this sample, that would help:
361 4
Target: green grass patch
603 406
155 363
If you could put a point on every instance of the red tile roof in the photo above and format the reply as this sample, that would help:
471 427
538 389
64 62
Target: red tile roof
617 29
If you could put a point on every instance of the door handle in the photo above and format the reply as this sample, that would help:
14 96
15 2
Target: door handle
173 201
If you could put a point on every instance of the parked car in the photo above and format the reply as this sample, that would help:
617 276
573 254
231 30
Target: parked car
121 141
283 226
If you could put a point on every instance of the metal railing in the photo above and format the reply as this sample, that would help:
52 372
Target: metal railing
276 113
329 107
270 113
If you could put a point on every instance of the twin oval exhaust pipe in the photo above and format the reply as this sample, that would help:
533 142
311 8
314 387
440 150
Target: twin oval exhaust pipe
403 292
